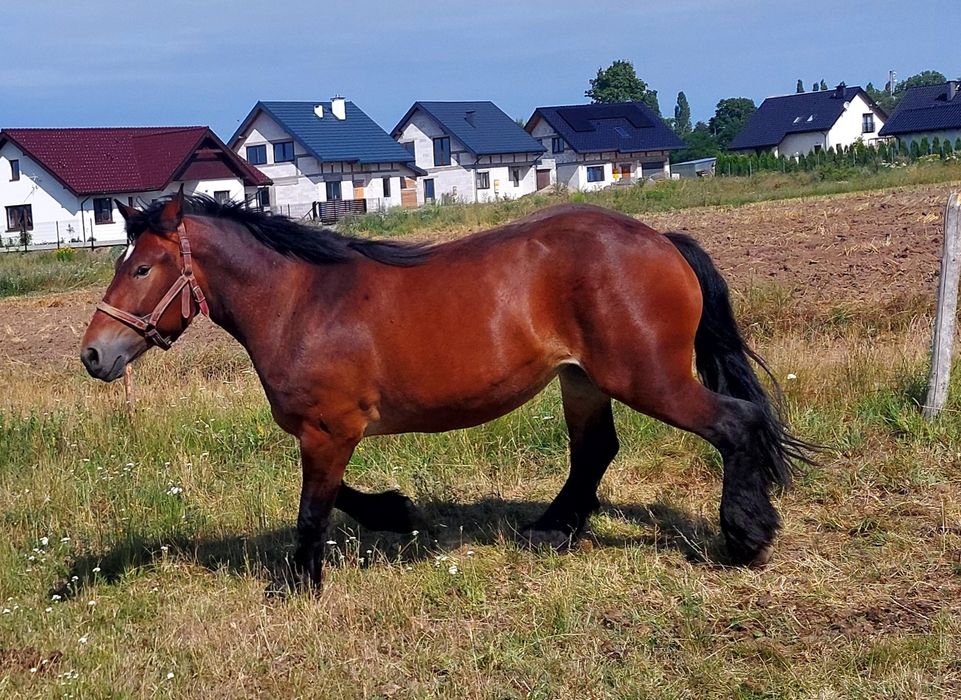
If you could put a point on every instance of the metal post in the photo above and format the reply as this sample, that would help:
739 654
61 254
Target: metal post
944 323
58 234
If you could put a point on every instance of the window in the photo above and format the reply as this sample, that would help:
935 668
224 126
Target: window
595 173
102 210
429 195
442 151
557 145
257 155
284 152
20 216
867 123
333 191
386 187
222 196
14 170
262 199
483 180
516 176
409 145
817 148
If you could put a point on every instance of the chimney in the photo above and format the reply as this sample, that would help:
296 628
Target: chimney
952 89
470 117
338 107
319 111
839 91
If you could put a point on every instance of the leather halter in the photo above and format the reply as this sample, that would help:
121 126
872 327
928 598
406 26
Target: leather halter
186 286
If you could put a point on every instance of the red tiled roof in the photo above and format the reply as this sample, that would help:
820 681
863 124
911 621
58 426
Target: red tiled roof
126 159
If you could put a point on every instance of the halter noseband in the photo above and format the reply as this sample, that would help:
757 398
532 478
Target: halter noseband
186 285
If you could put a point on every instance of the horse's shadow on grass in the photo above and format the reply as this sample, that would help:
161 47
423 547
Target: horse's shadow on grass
490 521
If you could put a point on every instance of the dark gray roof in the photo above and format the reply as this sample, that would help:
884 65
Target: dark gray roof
481 126
355 139
628 127
795 114
926 108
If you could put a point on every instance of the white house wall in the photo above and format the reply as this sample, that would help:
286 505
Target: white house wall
60 214
457 182
297 185
847 129
800 144
570 167
951 135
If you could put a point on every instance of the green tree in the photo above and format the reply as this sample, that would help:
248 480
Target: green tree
882 98
619 83
925 77
815 87
800 86
700 144
729 118
823 85
682 116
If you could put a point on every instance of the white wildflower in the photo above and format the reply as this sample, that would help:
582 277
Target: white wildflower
453 569
791 376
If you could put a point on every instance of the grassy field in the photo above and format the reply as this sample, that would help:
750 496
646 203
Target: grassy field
135 548
665 195
59 270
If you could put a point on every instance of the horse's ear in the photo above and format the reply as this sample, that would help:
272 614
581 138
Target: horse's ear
127 212
173 211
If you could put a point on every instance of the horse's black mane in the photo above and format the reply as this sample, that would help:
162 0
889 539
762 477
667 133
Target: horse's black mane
286 236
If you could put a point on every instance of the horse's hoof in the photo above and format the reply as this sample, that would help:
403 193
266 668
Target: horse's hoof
534 538
762 557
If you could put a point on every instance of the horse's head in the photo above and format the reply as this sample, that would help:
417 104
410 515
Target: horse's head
153 295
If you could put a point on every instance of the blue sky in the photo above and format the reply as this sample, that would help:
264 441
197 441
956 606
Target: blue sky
113 63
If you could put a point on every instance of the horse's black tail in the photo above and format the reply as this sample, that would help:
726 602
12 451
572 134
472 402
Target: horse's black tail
723 364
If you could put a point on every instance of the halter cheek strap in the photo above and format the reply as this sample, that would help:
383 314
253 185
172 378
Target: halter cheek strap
186 286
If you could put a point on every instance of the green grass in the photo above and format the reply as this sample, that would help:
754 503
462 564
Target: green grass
60 270
175 518
649 197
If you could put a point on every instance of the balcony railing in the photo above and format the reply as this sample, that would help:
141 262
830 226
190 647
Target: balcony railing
332 212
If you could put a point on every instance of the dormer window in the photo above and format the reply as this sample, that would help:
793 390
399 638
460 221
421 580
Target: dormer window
811 118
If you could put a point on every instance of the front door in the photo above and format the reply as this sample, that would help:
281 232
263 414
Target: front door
358 189
543 178
428 190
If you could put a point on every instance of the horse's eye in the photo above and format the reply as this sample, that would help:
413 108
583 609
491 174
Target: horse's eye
142 271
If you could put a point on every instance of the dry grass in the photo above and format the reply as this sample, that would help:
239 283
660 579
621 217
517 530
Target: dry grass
861 601
135 550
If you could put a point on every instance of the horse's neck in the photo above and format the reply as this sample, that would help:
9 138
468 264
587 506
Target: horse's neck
245 289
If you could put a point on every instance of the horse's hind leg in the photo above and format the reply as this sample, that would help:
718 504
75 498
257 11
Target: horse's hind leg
593 444
389 511
737 429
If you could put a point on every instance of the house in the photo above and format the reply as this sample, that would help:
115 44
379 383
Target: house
931 111
60 184
596 145
805 122
326 159
471 152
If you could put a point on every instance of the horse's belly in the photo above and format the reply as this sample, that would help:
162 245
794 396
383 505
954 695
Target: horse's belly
438 406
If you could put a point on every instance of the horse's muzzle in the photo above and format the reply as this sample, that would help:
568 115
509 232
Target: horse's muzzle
105 367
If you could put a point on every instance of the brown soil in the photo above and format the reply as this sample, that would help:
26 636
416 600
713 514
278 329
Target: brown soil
849 251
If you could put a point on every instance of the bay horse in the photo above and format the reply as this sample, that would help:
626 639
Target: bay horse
353 337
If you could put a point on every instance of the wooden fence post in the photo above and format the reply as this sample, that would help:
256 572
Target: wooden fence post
944 322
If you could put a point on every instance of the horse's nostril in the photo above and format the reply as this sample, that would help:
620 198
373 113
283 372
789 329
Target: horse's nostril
90 358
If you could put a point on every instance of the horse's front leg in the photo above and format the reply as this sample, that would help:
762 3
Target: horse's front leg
324 457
